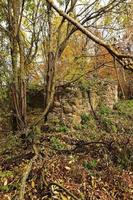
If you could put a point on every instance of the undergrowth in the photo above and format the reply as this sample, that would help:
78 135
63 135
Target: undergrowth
102 168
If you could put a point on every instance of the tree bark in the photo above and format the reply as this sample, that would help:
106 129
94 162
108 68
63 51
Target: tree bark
18 85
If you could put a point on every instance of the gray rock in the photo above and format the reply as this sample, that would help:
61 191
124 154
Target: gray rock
67 109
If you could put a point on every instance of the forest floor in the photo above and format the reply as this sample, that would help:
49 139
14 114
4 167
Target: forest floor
93 161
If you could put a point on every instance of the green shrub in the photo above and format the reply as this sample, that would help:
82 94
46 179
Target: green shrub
125 106
124 157
6 174
84 85
62 128
90 165
106 124
104 110
4 188
56 143
85 117
114 128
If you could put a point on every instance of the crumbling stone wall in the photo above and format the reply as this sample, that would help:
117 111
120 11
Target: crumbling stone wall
109 94
70 103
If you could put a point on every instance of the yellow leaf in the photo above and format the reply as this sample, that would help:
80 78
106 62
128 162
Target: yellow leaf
33 184
63 197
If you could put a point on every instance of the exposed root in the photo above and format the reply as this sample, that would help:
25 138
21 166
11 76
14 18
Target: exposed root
26 174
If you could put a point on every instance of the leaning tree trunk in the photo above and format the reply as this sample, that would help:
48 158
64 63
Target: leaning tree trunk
50 74
22 82
50 83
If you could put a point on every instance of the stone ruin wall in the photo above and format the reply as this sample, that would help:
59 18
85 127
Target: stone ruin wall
70 103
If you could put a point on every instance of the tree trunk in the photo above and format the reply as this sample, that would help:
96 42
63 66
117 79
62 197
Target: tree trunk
18 86
49 79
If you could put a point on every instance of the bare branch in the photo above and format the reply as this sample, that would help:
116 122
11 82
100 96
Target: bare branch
109 47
